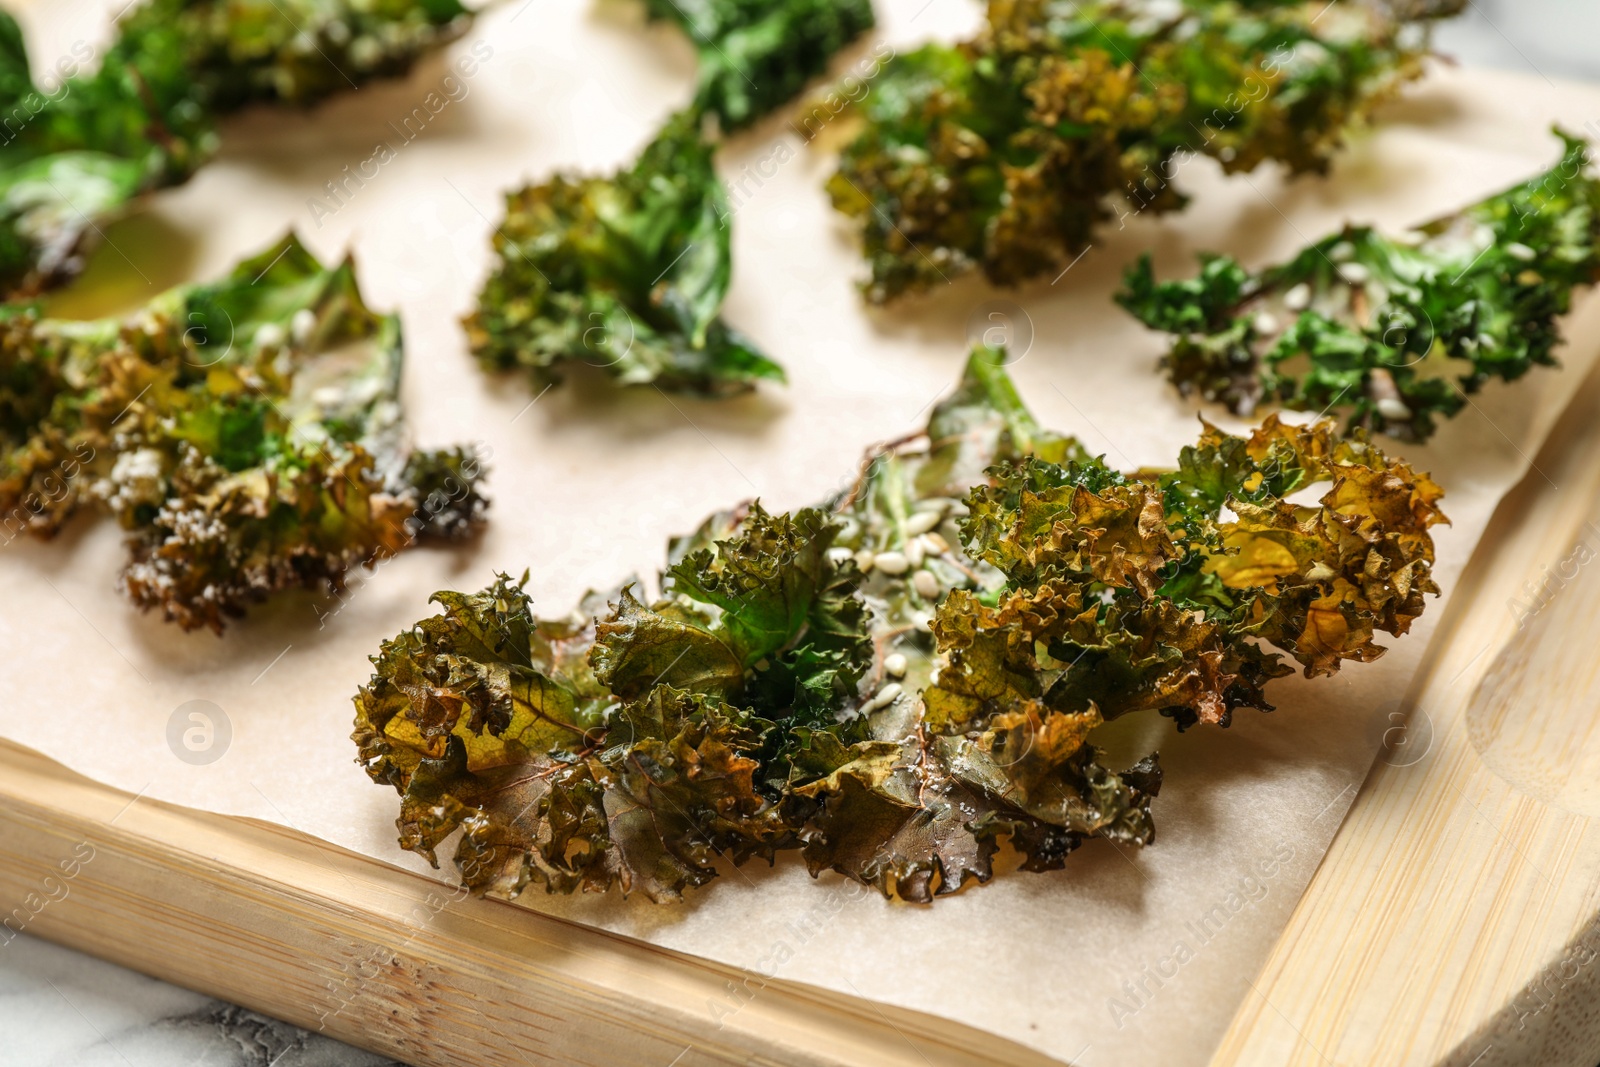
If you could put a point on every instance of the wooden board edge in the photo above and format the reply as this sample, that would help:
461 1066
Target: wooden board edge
1547 1017
1551 1016
401 964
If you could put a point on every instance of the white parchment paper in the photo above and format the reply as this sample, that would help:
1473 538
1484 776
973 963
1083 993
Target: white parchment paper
1122 958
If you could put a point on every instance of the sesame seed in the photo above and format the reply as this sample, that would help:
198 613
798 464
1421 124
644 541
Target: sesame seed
300 327
891 562
269 335
1354 273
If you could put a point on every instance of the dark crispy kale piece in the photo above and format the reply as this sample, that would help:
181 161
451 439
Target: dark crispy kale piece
900 680
625 274
246 433
79 147
1006 153
628 751
1394 332
756 55
1130 593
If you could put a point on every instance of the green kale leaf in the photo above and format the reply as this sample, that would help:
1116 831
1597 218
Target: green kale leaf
295 52
1393 332
1004 154
902 679
245 433
78 152
625 274
756 55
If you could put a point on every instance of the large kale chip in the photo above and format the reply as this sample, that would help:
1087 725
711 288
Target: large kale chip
1005 154
901 678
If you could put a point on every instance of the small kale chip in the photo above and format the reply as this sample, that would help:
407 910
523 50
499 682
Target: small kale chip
1395 332
625 274
756 55
245 433
895 682
77 153
295 52
1004 154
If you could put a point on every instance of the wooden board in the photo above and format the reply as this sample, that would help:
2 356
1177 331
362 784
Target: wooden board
394 962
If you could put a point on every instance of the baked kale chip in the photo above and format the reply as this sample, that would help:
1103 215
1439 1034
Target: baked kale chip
295 52
625 274
1005 154
1393 332
77 151
756 55
899 679
245 433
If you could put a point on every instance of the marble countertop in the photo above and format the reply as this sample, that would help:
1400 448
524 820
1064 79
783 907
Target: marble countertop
1550 38
60 1008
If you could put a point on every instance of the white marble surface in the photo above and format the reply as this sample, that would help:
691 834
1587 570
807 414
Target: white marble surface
1552 38
59 1008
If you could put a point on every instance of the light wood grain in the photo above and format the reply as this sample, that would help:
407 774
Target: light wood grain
385 959
1456 919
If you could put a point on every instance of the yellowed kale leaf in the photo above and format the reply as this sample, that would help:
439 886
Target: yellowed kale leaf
900 684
